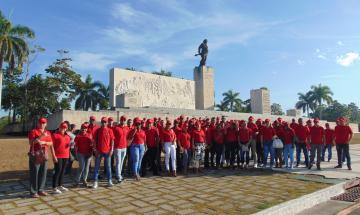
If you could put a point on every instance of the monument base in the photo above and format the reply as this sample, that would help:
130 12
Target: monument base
204 88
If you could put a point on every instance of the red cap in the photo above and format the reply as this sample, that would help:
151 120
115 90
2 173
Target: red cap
242 121
137 120
251 118
42 120
110 119
123 118
309 121
285 123
63 125
182 116
104 119
342 119
149 121
259 120
92 118
267 120
83 126
279 119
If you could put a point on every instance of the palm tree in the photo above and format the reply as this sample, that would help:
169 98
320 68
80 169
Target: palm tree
320 94
305 102
231 98
87 95
13 43
222 106
103 96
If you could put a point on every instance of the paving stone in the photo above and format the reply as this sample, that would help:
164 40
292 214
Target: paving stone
41 207
65 210
125 209
186 211
18 210
140 203
147 209
39 212
167 207
7 206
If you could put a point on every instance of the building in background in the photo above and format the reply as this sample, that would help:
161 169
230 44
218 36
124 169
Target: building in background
260 101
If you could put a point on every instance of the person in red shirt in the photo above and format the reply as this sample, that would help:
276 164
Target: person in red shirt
39 141
219 143
168 142
343 135
232 145
302 138
61 143
329 142
198 145
277 125
103 148
184 140
255 130
152 143
83 148
245 139
317 142
111 125
267 136
120 147
259 147
92 127
289 142
293 124
210 141
137 140
177 129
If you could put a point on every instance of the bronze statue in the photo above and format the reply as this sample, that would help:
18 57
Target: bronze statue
203 52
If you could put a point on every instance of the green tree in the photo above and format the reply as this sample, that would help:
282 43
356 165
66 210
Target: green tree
222 106
319 95
13 44
354 113
333 111
87 95
305 103
103 96
276 109
231 99
163 73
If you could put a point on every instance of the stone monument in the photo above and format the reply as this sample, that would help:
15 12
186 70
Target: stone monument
260 101
293 112
204 88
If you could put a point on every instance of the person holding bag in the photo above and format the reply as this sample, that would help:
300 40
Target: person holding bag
39 141
61 145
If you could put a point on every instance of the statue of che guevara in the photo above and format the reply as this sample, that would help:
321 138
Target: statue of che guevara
203 52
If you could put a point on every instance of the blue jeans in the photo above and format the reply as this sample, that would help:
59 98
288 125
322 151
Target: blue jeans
137 154
119 162
327 147
302 146
268 148
186 157
84 164
289 152
106 164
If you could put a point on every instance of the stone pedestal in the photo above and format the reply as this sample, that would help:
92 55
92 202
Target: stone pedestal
204 88
129 99
260 101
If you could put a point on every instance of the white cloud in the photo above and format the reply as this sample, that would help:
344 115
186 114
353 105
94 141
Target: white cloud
347 59
340 43
91 61
322 56
300 62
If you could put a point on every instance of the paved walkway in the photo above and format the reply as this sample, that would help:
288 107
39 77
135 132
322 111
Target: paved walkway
328 169
220 192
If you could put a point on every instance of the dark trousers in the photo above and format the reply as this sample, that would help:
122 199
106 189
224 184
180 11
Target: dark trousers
234 153
178 161
207 157
316 150
245 154
158 158
227 152
302 147
150 158
58 176
37 176
327 147
278 157
219 148
259 152
212 154
343 150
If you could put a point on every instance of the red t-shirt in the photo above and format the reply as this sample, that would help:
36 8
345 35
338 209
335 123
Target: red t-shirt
329 136
219 136
258 136
103 138
231 135
61 143
279 132
151 136
342 134
92 129
139 136
316 135
245 134
167 135
184 140
83 143
209 134
288 135
302 132
198 136
120 137
268 133
177 131
35 133
293 125
253 128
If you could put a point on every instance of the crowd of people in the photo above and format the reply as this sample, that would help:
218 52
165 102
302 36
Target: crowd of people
135 146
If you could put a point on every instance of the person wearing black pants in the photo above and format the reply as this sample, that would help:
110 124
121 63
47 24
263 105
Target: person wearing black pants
61 143
343 135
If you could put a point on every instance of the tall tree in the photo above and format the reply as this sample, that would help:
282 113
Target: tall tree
222 106
13 44
276 109
305 103
319 95
87 95
103 96
231 99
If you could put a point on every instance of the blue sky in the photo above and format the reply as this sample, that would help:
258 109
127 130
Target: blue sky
286 46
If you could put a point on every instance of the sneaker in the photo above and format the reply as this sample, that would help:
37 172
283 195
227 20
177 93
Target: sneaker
56 191
338 166
255 165
95 185
63 189
42 193
35 195
110 184
349 168
310 166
